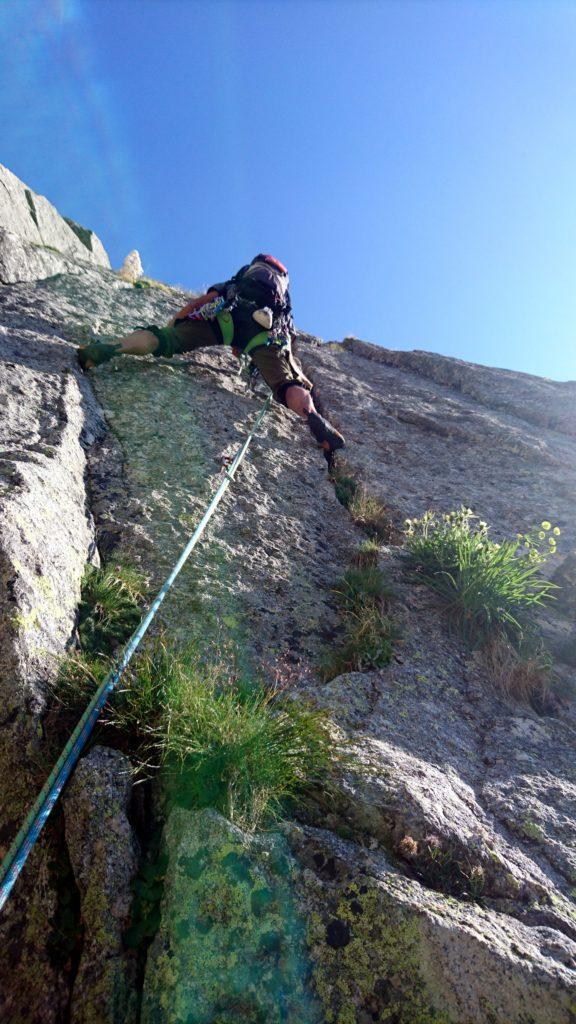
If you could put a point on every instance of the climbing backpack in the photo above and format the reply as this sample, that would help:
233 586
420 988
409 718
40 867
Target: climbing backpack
264 282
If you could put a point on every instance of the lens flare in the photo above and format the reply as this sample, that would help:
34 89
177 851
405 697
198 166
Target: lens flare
60 113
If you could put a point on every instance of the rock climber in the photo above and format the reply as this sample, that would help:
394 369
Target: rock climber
251 313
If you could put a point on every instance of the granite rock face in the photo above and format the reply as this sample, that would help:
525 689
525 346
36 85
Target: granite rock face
385 948
426 431
452 898
104 855
26 217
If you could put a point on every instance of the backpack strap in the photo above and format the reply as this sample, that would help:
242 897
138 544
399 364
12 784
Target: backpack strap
227 327
258 339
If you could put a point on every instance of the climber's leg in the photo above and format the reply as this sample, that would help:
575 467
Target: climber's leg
184 336
140 343
290 386
299 399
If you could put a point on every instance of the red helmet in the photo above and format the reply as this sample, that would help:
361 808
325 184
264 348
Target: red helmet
272 261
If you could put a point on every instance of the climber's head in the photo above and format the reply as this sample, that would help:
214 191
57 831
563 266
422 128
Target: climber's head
272 262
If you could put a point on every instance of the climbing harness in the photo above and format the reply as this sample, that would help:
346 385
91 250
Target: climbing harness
17 855
221 310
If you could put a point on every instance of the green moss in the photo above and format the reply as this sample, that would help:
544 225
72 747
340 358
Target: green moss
531 829
169 469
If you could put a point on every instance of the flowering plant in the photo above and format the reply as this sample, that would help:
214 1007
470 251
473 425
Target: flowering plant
489 587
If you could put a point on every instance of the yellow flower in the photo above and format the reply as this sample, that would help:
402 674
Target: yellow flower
541 535
556 531
546 525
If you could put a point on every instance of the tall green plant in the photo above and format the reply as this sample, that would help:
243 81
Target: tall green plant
488 587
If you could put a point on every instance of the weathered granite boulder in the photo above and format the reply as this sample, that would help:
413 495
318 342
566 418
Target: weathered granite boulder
104 855
31 218
46 538
24 261
333 933
131 268
386 949
231 945
475 792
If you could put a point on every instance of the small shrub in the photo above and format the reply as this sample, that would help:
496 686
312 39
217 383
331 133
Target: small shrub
109 609
488 588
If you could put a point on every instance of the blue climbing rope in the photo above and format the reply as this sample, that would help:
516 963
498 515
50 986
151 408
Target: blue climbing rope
17 855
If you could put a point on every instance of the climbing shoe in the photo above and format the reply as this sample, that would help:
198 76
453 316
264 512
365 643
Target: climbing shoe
327 436
95 353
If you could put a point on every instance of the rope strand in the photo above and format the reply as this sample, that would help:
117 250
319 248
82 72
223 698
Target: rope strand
17 855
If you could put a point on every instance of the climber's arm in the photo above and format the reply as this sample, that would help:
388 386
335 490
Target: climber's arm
195 304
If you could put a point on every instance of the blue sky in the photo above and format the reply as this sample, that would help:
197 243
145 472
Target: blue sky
413 163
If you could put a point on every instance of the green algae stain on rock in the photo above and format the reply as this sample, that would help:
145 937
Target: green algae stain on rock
169 470
232 942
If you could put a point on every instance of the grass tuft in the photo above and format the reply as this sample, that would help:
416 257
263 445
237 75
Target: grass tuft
367 630
371 515
150 282
524 675
367 554
345 487
110 607
216 739
367 512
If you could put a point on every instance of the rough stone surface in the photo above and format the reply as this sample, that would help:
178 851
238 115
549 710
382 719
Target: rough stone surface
426 431
131 268
565 578
385 948
45 540
547 403
34 219
24 261
231 946
484 788
104 856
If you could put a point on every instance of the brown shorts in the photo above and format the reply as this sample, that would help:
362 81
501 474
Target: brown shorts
277 364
